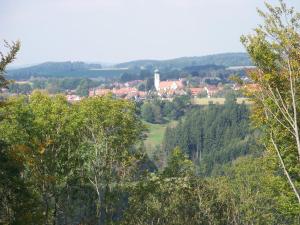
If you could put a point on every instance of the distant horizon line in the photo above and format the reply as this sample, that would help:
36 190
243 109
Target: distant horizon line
105 63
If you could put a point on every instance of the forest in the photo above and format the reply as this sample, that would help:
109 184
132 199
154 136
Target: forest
214 135
85 162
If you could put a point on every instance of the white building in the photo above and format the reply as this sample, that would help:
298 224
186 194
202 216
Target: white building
156 79
165 86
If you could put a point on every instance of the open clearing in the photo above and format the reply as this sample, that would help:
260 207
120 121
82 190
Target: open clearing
156 134
206 101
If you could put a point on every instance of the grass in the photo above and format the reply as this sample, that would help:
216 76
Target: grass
206 101
156 134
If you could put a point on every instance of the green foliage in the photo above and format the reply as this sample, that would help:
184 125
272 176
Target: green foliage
64 70
83 87
212 135
257 193
142 87
274 49
57 142
55 85
149 84
174 196
44 131
20 88
147 112
19 204
155 111
7 59
128 77
179 165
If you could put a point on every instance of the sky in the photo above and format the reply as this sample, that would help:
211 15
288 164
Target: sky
123 30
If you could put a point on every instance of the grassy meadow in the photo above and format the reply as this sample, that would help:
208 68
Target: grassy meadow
206 101
155 135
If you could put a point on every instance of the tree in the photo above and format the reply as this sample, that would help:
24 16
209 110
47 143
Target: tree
149 84
83 87
256 193
274 49
142 87
147 112
179 165
213 135
59 147
175 196
20 88
125 77
110 130
43 130
18 204
7 59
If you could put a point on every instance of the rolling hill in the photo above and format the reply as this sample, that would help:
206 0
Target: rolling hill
225 59
81 69
62 70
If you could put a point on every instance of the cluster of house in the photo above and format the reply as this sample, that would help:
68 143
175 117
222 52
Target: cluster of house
164 89
73 98
207 90
178 87
124 92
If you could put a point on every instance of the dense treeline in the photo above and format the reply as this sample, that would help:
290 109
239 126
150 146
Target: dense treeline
226 59
54 86
61 69
213 135
158 111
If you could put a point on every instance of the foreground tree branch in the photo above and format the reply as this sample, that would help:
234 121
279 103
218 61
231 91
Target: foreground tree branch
275 50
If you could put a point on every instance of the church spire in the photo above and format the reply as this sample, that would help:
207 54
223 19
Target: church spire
156 79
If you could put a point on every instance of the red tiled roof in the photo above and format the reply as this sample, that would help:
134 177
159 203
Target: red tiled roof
124 91
195 91
99 92
170 84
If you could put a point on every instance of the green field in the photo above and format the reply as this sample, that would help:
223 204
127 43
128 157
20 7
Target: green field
206 101
155 135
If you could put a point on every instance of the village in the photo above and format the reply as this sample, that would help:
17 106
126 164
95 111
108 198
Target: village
165 90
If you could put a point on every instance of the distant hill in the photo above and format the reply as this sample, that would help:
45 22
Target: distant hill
81 69
63 69
225 59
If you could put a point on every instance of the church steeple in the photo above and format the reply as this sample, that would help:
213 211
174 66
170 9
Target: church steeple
156 79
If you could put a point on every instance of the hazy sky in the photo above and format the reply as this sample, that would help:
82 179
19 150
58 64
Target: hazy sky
121 30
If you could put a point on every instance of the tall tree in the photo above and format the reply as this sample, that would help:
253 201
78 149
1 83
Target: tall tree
110 130
7 59
275 50
44 132
19 204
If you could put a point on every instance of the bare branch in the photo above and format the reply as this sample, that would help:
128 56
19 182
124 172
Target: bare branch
285 170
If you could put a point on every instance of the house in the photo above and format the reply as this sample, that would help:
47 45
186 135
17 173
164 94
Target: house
196 91
99 92
124 92
133 83
212 90
73 98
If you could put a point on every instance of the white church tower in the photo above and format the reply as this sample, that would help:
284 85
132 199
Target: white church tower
156 79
